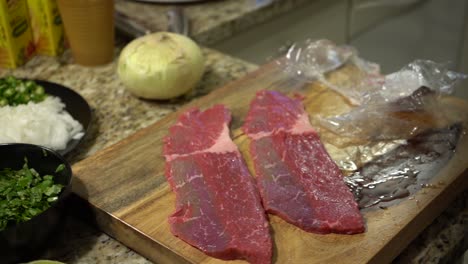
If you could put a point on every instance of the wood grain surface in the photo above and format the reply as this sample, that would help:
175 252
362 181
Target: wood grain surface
126 188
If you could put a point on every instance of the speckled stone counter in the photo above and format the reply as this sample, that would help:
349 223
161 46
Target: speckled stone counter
445 238
210 21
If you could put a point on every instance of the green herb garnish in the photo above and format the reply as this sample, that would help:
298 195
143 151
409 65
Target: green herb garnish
14 91
25 194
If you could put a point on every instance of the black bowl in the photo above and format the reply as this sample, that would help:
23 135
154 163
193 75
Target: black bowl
75 105
24 241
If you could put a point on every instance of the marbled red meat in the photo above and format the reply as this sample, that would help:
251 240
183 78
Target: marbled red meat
297 179
218 208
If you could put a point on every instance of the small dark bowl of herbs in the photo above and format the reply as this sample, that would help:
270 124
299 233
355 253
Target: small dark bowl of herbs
34 184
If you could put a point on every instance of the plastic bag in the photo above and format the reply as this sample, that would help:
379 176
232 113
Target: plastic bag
312 60
403 83
391 107
406 104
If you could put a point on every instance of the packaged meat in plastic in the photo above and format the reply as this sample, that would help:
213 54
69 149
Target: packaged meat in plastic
386 107
405 103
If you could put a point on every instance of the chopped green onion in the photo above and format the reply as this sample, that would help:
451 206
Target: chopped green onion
14 91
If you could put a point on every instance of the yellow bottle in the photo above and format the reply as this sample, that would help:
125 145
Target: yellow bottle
16 42
47 28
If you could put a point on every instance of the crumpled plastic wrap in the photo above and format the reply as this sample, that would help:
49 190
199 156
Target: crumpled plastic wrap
403 105
387 107
312 60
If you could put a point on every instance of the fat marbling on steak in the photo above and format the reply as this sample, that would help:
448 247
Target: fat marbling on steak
297 179
218 208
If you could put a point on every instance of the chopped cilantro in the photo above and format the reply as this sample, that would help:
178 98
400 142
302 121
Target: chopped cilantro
25 194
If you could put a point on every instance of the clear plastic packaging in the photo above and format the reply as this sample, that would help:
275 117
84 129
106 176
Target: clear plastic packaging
399 119
403 105
313 60
387 107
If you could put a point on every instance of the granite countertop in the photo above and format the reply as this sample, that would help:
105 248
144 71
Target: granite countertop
118 114
210 21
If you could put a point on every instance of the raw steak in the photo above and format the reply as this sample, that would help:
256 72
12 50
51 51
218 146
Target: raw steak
218 208
297 179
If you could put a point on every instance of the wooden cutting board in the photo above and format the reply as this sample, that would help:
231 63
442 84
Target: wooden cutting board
126 188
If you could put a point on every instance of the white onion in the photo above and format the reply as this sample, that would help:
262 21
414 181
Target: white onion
45 123
161 65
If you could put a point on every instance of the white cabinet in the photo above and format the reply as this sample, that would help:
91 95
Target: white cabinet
431 30
366 14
